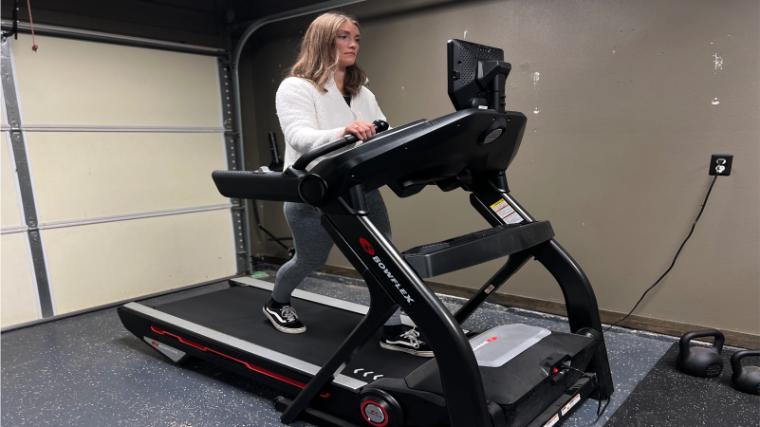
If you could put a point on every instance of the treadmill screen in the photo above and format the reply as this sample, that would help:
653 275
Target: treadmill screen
472 69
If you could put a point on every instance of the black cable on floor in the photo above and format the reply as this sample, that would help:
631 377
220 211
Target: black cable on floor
675 258
600 411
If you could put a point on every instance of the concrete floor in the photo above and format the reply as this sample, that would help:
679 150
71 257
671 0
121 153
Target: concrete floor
89 371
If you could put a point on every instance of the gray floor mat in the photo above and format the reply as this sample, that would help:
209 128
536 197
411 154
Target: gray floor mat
89 371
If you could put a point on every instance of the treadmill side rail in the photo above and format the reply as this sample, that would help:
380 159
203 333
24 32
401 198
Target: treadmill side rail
152 324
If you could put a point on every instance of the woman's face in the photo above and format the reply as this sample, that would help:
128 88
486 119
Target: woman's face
347 44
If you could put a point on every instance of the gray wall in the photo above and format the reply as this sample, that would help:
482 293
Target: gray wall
616 156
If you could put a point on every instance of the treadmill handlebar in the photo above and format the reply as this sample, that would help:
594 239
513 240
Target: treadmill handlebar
258 185
407 158
303 161
291 185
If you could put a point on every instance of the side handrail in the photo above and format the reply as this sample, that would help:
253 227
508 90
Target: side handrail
274 186
285 186
309 157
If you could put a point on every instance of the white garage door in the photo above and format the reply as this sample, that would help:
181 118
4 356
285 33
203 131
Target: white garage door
117 201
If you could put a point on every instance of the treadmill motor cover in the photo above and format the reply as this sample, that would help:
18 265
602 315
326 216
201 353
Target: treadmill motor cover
499 345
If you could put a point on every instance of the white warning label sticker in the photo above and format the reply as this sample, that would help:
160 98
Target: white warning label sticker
505 212
569 405
552 421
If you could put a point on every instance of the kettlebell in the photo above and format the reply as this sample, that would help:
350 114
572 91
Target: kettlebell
701 361
745 378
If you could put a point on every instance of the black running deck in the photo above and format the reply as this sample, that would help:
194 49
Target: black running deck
237 311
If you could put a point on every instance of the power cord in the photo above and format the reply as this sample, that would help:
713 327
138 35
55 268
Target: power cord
600 410
675 258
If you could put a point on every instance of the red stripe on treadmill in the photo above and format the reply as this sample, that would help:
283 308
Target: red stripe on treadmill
248 365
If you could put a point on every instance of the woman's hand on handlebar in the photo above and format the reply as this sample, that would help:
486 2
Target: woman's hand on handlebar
361 129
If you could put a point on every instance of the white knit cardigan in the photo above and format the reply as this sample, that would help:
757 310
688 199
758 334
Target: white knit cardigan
310 118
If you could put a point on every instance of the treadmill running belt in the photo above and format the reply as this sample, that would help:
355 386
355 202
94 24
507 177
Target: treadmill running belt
237 311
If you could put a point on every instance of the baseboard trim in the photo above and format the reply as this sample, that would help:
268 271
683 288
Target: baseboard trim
642 323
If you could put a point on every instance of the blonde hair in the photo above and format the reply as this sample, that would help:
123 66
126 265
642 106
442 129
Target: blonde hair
317 59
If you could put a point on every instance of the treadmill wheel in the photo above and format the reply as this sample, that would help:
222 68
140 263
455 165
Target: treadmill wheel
380 409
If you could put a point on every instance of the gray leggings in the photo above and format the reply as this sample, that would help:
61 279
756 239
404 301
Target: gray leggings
313 244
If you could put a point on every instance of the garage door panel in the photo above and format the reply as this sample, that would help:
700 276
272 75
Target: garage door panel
98 264
91 175
19 301
81 83
120 143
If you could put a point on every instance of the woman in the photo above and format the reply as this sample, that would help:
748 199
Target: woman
322 100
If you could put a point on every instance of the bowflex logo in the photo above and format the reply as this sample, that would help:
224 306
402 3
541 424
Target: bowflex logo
367 246
370 250
393 279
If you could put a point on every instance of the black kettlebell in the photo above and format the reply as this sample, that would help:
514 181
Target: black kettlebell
745 378
701 361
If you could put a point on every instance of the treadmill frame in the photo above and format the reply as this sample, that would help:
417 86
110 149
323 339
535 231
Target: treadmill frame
391 280
384 268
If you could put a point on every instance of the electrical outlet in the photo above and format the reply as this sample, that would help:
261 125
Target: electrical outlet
720 164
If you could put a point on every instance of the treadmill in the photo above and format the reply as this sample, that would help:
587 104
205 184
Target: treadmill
336 373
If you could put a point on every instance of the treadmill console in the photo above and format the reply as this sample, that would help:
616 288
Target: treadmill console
443 151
